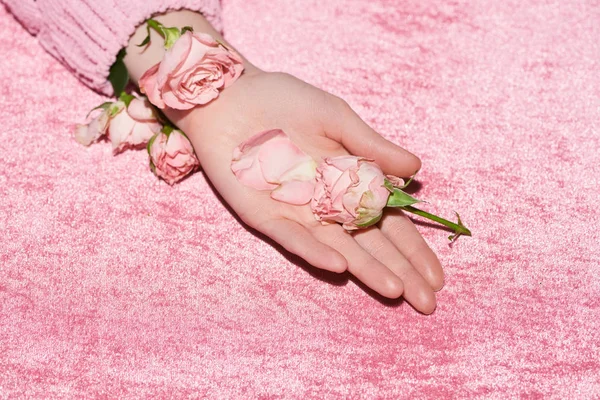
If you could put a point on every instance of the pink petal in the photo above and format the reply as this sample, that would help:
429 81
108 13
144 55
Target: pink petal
262 160
141 110
195 56
394 180
259 139
294 192
148 86
174 58
253 178
119 129
340 187
245 163
84 135
142 133
205 38
303 171
178 143
170 99
345 162
380 194
278 156
234 70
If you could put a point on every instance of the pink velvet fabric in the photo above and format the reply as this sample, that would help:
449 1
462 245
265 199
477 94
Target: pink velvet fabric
115 285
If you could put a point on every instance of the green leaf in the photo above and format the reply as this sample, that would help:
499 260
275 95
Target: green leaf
146 39
118 75
401 199
103 106
126 98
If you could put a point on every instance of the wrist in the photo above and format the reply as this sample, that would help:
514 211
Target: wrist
139 59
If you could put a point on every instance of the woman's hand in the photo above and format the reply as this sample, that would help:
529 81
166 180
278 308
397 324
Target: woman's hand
392 258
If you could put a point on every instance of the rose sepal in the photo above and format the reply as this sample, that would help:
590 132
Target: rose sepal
170 35
399 198
370 222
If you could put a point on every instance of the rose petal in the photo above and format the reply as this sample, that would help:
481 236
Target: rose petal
119 128
148 86
245 164
344 162
197 52
303 171
140 110
142 133
174 58
279 156
294 192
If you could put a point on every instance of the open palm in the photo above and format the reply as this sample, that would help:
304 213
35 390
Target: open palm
392 258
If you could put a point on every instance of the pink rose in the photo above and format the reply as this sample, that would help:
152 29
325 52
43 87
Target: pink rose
270 161
87 134
191 72
133 125
172 156
350 190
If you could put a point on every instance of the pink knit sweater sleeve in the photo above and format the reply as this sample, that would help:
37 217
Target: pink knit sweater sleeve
86 35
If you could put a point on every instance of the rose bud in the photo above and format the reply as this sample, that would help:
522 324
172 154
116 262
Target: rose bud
172 156
133 125
87 134
350 190
191 72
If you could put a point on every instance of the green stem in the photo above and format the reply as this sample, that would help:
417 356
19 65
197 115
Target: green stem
459 228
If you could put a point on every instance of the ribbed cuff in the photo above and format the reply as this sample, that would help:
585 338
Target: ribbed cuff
86 35
26 12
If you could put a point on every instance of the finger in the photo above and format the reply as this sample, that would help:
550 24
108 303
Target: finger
346 127
298 240
416 289
360 263
404 235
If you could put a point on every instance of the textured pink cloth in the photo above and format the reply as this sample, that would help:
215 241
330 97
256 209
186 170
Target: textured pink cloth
86 35
115 285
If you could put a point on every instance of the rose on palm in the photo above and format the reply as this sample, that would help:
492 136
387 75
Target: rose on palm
270 161
191 72
350 190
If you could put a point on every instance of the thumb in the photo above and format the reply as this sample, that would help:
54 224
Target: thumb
346 127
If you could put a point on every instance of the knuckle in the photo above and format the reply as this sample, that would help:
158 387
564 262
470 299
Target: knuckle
376 247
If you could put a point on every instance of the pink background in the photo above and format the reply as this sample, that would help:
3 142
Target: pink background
115 285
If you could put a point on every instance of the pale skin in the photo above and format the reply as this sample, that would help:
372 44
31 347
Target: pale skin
391 258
